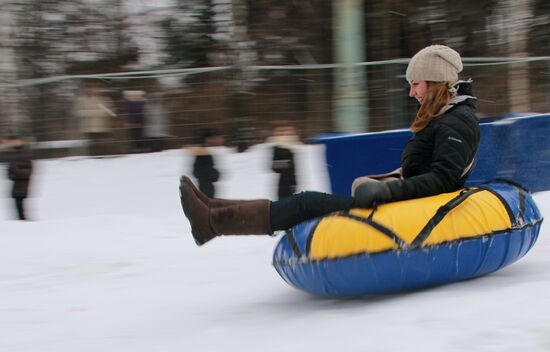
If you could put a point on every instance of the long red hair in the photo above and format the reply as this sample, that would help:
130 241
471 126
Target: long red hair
437 96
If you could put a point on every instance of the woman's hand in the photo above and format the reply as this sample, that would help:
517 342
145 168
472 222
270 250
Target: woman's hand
396 174
369 193
359 181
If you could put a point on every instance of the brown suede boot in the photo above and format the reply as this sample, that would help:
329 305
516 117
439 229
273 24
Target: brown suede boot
248 217
245 217
210 202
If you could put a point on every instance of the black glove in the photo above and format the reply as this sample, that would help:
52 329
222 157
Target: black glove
369 193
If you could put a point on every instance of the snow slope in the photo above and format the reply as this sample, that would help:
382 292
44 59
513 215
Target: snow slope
108 264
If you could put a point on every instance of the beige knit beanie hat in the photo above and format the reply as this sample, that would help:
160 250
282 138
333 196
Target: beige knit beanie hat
436 63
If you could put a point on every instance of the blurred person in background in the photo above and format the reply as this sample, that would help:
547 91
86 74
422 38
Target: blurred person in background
438 159
94 112
204 168
284 140
135 119
19 171
156 122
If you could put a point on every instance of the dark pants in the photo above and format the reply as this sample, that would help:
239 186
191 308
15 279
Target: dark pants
207 188
286 187
136 139
290 211
98 144
20 208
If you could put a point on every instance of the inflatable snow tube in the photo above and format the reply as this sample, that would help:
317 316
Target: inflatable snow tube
410 244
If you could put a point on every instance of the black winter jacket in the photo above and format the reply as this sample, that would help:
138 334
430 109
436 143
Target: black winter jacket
206 173
19 171
283 164
439 158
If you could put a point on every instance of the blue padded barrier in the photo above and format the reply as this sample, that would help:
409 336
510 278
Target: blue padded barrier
514 148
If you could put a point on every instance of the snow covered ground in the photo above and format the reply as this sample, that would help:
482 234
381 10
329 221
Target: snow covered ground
108 264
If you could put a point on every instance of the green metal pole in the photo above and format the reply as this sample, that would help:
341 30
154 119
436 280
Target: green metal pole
350 112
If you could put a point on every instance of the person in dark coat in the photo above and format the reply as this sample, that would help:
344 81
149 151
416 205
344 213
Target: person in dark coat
204 168
284 139
19 171
439 158
135 119
283 165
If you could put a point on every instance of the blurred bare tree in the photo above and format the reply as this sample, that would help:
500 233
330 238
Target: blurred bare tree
58 37
188 34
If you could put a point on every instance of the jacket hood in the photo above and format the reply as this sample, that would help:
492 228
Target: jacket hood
462 94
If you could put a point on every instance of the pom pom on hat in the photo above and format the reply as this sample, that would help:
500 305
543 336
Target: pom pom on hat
436 63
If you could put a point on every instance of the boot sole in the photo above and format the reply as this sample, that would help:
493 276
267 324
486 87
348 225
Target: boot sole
199 241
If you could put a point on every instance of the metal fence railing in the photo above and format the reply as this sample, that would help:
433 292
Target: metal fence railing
243 103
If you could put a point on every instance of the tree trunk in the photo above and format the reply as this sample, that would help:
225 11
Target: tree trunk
520 13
